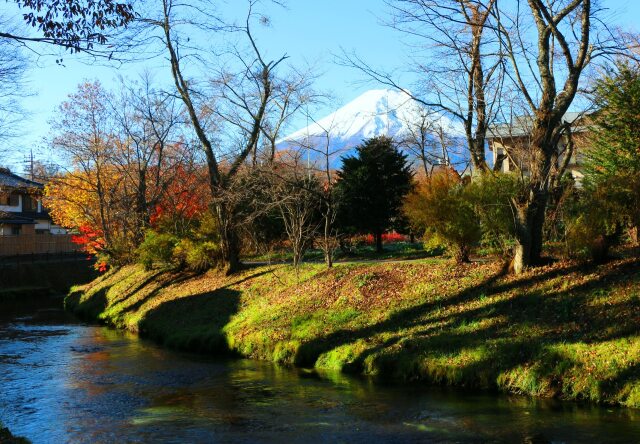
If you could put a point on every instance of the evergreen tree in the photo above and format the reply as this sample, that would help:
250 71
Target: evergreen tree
371 187
612 163
616 134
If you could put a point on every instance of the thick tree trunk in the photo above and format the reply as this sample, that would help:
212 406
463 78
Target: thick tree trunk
529 222
142 212
537 227
530 208
229 240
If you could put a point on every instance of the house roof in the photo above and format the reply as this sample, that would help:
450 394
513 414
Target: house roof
521 126
10 180
15 219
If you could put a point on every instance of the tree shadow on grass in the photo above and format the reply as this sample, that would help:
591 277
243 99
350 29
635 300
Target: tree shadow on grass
159 284
472 345
91 307
138 286
193 323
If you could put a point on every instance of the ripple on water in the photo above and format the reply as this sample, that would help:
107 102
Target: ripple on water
69 382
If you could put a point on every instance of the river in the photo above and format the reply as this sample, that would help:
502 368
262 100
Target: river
64 381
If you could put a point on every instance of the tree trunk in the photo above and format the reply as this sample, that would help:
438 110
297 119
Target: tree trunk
633 235
522 253
328 253
228 240
462 254
530 208
537 227
378 239
529 222
142 211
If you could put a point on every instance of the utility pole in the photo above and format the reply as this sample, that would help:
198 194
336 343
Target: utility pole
28 163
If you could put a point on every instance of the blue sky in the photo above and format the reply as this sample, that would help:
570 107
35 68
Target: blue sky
309 31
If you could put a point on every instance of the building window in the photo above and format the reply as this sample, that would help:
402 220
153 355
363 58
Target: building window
28 204
10 199
15 231
14 200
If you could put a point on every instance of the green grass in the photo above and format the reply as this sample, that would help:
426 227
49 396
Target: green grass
562 331
394 250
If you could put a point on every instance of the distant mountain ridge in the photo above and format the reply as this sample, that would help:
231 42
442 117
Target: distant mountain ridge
377 112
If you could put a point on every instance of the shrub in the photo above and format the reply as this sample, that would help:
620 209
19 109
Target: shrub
441 206
201 250
198 256
491 196
595 222
156 248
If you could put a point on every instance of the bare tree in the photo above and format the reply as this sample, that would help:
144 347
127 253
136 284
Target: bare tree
325 154
290 96
461 72
546 66
148 143
295 193
13 85
430 143
239 99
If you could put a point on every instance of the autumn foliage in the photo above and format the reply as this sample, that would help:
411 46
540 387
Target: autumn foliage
440 207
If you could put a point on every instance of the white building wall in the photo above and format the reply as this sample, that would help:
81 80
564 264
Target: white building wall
10 209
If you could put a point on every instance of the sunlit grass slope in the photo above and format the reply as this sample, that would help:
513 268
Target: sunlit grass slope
561 330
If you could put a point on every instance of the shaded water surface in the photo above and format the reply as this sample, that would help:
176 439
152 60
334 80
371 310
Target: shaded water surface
62 381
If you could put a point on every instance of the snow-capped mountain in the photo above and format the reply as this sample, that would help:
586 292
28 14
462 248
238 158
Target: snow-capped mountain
377 112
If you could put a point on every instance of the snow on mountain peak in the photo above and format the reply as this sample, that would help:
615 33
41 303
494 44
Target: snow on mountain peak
377 112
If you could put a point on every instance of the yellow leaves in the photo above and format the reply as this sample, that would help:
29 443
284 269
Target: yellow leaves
74 199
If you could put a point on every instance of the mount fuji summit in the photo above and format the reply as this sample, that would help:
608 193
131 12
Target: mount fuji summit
377 112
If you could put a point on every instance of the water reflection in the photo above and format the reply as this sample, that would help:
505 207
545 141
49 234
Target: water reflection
67 382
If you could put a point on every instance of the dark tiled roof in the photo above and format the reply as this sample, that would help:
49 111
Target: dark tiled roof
15 219
10 180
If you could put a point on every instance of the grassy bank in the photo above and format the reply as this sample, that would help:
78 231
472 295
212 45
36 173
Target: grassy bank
562 330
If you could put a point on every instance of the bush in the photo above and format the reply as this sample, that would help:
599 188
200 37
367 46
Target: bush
201 250
156 248
198 256
595 223
491 196
441 206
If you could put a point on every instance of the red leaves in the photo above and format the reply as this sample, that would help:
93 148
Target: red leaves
186 197
91 239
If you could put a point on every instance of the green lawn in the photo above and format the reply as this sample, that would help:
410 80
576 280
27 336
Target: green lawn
394 250
563 330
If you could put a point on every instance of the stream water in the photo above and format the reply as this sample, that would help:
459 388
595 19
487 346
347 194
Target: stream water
64 381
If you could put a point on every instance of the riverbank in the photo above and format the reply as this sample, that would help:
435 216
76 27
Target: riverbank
562 331
22 278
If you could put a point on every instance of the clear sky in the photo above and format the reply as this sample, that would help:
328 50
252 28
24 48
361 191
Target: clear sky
309 31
